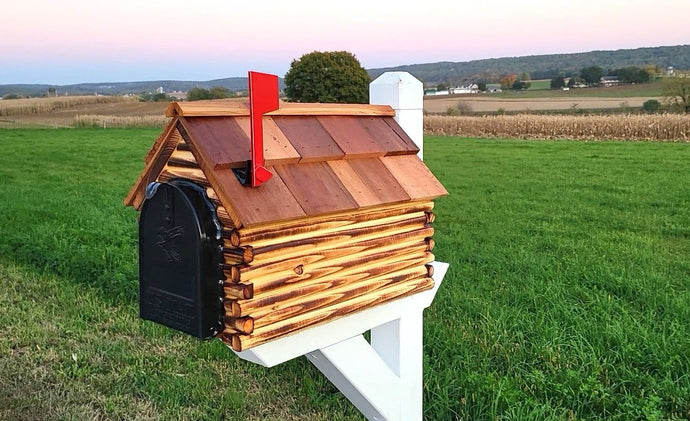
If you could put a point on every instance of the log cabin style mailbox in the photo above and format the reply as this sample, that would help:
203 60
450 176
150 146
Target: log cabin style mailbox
259 221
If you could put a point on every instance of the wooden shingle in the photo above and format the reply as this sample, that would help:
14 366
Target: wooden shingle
325 158
309 138
351 136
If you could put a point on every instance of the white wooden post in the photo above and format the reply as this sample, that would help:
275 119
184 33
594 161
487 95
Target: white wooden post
382 378
405 94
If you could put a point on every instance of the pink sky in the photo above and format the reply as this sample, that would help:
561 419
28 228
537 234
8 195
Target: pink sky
72 41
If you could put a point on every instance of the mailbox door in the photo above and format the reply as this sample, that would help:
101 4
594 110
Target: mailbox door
180 259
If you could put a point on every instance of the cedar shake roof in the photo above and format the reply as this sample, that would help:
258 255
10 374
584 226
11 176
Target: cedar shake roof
325 158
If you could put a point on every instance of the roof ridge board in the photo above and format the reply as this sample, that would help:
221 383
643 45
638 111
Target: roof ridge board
229 109
207 109
316 108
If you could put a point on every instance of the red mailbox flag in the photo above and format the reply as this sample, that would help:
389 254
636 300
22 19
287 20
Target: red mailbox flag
263 97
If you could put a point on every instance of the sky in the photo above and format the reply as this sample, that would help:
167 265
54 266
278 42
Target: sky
75 41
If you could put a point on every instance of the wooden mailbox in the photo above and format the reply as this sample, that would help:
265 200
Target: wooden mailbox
343 224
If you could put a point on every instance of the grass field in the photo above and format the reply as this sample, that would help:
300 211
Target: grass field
567 297
541 90
540 84
71 111
616 98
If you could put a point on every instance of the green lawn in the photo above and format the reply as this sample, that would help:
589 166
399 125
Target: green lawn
541 89
540 84
568 294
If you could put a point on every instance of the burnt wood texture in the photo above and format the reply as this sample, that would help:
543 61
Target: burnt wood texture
344 223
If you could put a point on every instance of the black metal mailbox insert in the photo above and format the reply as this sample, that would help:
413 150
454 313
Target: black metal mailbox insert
180 259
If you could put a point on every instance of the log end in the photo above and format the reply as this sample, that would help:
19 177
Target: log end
234 237
235 309
248 254
238 291
236 343
239 325
429 270
226 337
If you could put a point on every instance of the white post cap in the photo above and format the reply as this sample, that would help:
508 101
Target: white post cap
400 90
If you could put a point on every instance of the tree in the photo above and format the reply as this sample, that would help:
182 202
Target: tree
196 94
218 92
151 97
481 86
507 81
592 74
519 85
332 76
652 70
558 82
441 87
676 90
631 74
651 106
572 82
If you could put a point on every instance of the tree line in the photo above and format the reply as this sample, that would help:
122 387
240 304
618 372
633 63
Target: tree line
545 66
591 76
337 76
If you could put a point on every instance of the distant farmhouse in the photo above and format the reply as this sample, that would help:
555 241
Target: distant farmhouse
609 81
471 88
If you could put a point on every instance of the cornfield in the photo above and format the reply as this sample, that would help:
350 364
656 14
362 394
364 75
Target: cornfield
659 127
106 121
28 106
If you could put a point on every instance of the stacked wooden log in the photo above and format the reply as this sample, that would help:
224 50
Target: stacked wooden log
284 276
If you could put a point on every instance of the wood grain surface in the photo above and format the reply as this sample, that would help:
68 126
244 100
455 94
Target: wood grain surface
368 181
351 136
271 201
309 138
316 188
277 149
223 142
389 140
414 177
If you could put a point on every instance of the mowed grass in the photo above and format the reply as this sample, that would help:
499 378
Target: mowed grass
71 343
540 84
568 294
569 288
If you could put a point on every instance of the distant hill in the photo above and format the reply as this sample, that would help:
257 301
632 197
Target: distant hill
543 66
490 70
121 88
